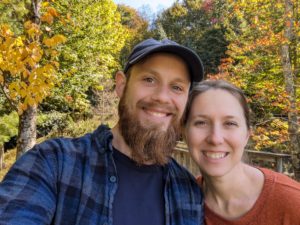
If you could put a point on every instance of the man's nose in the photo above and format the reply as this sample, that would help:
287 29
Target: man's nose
162 94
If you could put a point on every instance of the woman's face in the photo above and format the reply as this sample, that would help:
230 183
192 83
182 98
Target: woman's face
216 132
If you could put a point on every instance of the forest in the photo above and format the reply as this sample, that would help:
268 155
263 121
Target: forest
58 59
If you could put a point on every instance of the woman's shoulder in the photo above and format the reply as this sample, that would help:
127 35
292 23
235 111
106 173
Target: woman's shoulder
280 179
282 186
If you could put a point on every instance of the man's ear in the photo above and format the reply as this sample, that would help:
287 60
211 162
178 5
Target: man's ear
120 80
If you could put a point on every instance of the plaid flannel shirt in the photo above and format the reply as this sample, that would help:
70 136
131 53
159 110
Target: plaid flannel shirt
73 181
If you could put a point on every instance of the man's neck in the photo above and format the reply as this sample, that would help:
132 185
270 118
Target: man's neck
119 143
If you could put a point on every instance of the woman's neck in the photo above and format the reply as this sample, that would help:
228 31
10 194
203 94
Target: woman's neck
235 193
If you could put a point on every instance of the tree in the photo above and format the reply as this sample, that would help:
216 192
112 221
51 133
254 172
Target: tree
90 56
263 53
28 67
136 29
289 76
199 25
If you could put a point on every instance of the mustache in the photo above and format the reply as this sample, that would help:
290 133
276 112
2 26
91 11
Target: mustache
164 107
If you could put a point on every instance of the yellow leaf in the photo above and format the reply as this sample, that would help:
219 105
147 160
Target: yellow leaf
1 79
27 24
5 30
31 101
31 62
53 12
69 16
48 42
54 53
23 85
23 93
56 64
19 42
34 31
45 4
13 87
38 98
21 108
49 68
24 107
59 39
36 55
25 73
47 17
13 95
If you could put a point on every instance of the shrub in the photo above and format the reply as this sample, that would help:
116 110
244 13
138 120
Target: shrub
53 122
8 127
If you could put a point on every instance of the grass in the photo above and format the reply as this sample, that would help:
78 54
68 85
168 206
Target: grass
73 130
9 160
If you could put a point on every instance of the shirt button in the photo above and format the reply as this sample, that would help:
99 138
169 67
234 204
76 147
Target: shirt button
113 179
105 223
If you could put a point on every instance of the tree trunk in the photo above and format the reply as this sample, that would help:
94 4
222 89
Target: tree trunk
1 157
290 88
27 130
27 121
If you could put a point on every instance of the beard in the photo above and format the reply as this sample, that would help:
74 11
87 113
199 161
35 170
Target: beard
148 143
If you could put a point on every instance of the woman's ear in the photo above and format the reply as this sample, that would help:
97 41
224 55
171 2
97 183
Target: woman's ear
120 80
250 133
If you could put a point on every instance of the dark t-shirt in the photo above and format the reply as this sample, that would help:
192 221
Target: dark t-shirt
139 199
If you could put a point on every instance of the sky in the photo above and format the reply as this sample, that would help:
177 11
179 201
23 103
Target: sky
155 5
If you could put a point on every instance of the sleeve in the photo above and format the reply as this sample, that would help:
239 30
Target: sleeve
28 191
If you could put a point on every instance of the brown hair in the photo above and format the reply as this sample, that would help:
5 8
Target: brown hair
204 86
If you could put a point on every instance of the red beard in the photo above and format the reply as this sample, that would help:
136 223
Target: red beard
151 143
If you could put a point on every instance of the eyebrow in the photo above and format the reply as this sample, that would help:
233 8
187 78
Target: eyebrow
206 116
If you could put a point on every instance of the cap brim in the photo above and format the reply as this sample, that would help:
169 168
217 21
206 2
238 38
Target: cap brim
190 57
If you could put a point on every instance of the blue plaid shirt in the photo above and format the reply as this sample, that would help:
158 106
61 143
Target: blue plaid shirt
73 181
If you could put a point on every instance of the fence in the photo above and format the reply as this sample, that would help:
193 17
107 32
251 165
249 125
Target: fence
276 161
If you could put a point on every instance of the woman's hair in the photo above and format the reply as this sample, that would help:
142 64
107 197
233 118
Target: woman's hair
204 86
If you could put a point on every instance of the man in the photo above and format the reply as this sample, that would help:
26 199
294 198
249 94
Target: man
120 176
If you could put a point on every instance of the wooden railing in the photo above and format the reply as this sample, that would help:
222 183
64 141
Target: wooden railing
276 161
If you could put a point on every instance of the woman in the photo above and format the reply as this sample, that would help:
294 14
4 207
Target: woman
217 129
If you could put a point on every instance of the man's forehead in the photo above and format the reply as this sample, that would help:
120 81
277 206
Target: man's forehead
156 58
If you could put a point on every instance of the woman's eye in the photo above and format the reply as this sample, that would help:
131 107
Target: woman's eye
200 123
149 79
231 124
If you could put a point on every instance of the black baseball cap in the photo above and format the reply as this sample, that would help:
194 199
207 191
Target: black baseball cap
149 46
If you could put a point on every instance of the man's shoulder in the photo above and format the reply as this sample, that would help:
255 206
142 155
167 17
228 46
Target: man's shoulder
178 170
98 139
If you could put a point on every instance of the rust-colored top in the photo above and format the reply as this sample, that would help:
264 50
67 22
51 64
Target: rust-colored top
278 204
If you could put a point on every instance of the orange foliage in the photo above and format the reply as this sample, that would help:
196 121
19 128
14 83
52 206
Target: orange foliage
24 78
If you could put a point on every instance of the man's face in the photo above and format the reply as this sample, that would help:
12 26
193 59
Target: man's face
152 103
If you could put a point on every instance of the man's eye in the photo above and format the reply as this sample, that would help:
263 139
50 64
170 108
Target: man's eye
149 79
177 88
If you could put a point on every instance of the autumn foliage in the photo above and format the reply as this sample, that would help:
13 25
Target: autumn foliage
28 63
